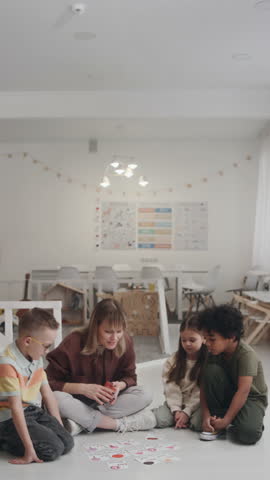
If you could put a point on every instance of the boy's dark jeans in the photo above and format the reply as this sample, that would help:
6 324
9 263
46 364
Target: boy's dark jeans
50 439
218 389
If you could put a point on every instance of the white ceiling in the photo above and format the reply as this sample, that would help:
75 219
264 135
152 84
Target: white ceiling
138 46
72 130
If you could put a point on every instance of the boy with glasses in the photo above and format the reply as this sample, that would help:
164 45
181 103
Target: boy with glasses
27 431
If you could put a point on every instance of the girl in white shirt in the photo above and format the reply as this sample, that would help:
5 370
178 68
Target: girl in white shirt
181 377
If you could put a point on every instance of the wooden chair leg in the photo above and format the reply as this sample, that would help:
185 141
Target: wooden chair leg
198 302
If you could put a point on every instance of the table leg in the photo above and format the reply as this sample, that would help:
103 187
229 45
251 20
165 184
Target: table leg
164 329
179 303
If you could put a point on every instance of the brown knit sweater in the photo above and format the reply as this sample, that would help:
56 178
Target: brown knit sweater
68 365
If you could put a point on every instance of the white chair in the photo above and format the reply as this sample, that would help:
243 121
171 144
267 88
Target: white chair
250 282
70 276
6 337
121 267
123 271
105 279
150 273
201 294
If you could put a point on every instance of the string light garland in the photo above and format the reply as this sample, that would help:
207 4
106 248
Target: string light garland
61 176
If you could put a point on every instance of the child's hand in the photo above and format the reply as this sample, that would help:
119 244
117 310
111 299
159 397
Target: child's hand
207 424
29 457
218 423
181 420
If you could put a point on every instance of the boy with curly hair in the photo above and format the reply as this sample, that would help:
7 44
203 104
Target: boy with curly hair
233 390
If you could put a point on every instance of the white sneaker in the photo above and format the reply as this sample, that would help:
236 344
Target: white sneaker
144 420
72 427
208 436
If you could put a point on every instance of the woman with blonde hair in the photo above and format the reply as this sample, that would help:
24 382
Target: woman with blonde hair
87 358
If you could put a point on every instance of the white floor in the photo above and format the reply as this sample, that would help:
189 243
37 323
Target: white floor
203 460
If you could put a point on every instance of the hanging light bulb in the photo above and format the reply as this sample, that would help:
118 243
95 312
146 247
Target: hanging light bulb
132 166
143 181
114 164
119 171
128 173
105 182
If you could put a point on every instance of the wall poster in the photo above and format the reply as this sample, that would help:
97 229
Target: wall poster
129 226
191 226
154 226
118 225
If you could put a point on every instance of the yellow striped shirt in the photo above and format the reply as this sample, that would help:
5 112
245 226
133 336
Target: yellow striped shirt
19 377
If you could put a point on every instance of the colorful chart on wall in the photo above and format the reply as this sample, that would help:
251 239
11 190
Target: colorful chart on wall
118 225
128 225
191 226
154 226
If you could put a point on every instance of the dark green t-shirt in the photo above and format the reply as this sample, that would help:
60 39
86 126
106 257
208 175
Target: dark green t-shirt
245 363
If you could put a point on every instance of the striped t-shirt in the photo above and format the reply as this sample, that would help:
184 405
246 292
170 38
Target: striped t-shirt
19 377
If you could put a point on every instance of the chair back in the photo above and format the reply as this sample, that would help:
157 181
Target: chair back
250 282
105 279
68 273
121 267
213 277
151 273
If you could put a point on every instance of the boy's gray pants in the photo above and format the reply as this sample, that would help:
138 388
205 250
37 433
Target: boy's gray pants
247 426
89 414
50 439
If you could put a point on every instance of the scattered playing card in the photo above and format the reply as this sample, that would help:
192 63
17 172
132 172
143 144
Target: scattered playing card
113 446
153 436
128 443
93 448
118 466
137 452
152 449
169 459
171 446
118 454
98 458
148 460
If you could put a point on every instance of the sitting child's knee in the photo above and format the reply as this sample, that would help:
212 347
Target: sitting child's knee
248 435
69 444
48 452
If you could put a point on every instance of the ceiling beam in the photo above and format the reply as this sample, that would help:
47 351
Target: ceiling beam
151 104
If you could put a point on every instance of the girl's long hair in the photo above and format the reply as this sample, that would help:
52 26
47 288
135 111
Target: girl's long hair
178 369
111 311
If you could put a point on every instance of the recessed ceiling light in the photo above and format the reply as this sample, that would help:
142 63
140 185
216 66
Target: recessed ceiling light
241 57
84 35
262 5
78 8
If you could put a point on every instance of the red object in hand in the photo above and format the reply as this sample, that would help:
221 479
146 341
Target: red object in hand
110 385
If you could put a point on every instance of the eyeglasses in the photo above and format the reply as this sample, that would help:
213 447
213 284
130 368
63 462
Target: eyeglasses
46 347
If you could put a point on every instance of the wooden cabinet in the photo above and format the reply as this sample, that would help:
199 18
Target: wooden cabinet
141 309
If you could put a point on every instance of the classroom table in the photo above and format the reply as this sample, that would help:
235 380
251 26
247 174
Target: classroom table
256 306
